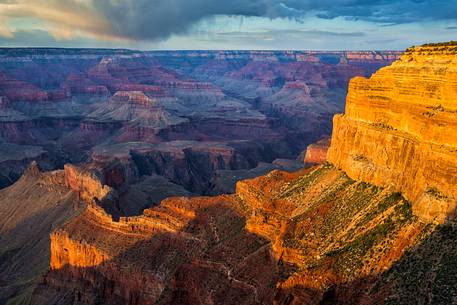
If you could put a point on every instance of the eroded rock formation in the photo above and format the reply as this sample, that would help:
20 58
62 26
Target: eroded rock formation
316 236
277 230
317 153
399 130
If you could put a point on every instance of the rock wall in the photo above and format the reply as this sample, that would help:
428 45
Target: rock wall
399 130
86 182
317 153
164 255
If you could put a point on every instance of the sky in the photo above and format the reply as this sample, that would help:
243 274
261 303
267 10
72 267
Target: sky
227 24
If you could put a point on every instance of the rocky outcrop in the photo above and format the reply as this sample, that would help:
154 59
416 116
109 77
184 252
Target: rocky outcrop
85 182
399 130
193 164
164 255
317 153
153 91
133 97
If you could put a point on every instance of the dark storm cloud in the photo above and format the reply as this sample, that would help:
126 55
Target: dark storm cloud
158 19
296 33
149 20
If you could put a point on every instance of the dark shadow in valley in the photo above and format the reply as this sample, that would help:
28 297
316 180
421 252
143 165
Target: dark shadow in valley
211 260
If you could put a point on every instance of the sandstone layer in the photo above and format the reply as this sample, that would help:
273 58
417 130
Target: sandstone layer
317 153
399 130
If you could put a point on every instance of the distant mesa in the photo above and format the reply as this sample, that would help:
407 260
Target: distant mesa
133 97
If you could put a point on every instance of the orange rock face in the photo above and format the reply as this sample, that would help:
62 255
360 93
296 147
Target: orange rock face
165 254
85 182
399 130
317 153
317 236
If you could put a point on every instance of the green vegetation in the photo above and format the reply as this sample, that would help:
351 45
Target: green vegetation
449 47
368 235
433 110
305 181
435 193
360 158
441 44
383 126
389 201
426 274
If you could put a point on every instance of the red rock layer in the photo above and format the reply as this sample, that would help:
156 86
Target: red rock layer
9 87
317 153
165 255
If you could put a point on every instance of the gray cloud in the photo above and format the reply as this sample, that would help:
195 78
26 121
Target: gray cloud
158 19
152 20
292 33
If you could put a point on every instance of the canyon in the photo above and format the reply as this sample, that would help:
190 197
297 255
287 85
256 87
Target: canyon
82 106
364 215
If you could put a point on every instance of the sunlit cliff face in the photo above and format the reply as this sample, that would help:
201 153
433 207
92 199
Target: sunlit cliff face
399 130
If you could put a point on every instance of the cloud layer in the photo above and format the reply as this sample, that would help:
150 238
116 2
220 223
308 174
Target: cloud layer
152 20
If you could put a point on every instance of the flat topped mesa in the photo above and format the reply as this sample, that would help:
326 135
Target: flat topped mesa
400 130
